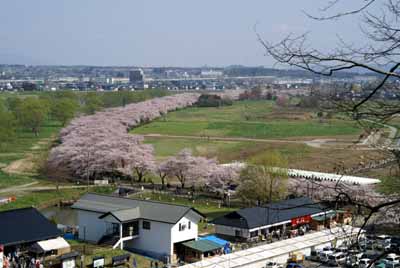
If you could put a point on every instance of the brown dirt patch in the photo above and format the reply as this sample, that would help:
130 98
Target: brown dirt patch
25 165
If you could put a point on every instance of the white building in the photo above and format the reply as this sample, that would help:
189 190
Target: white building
147 227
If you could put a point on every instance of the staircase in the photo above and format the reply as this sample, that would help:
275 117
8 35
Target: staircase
109 240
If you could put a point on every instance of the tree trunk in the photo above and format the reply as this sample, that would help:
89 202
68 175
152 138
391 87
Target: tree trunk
140 175
162 177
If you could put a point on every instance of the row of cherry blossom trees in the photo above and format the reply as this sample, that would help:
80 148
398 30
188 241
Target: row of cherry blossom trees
196 170
99 145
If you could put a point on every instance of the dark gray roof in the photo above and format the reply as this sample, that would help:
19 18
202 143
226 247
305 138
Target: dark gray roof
125 209
125 214
26 225
249 218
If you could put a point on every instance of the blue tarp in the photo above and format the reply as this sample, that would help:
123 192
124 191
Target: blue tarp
225 244
215 239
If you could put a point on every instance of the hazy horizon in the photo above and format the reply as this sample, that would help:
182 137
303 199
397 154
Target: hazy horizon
176 33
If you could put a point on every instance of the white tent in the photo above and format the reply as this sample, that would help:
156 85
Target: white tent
51 244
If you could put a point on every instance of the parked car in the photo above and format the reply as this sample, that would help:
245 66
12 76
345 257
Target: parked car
314 256
337 259
293 265
395 241
364 263
272 264
394 247
351 263
392 259
380 264
383 242
341 249
328 248
353 258
324 256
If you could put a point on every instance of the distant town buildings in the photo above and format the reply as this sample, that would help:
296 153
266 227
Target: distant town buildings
136 76
93 78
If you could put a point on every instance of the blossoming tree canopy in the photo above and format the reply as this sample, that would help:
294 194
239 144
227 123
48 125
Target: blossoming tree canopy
100 144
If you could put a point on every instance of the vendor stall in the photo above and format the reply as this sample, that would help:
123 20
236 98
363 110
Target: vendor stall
200 249
52 247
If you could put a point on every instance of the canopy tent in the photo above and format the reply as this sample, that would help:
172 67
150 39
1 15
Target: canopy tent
223 243
215 239
327 216
49 245
203 245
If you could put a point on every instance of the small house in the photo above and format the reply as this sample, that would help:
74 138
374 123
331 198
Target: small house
147 227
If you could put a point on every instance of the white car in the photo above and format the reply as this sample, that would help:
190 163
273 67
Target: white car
364 263
392 259
337 259
324 256
272 264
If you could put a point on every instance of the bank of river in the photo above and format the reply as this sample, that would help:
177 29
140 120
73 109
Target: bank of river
61 215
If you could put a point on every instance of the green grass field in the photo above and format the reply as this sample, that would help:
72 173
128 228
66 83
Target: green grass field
247 119
41 199
209 208
13 179
29 149
27 142
226 151
90 251
250 119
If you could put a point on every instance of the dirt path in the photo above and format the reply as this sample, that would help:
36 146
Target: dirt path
24 166
374 137
316 143
19 188
27 164
28 188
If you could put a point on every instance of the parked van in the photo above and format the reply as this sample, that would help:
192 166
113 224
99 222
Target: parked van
324 256
337 259
364 263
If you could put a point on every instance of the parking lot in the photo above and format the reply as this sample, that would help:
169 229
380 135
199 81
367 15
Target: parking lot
377 251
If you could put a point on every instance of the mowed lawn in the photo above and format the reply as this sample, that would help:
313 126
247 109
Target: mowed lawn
248 119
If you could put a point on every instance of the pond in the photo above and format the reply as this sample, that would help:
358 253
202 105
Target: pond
61 215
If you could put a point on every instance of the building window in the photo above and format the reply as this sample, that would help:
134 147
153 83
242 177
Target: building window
189 225
146 225
182 227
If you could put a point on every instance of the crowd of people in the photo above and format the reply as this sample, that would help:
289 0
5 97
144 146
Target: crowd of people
18 260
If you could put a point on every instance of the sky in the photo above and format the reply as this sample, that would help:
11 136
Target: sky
187 33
